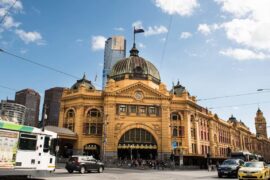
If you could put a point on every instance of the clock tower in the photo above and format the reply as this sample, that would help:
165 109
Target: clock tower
260 123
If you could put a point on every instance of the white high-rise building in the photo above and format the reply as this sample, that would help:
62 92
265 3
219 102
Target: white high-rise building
11 111
115 49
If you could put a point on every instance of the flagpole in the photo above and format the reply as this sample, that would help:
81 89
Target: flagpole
134 37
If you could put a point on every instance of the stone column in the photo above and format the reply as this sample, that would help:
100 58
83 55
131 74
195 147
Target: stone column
79 119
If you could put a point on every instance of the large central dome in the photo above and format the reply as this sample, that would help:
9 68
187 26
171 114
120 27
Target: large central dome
135 67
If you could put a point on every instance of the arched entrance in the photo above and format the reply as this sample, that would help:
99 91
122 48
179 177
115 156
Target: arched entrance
137 143
92 150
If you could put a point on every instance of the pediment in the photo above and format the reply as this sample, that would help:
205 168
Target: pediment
147 91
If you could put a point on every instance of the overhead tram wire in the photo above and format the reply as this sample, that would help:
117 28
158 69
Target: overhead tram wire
38 64
165 43
6 13
234 95
5 87
239 105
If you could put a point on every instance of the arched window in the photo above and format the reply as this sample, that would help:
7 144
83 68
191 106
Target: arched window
70 113
93 124
70 119
175 117
92 113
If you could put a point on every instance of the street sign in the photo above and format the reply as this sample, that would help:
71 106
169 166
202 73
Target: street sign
174 144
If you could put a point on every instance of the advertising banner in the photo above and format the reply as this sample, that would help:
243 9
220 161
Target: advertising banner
8 148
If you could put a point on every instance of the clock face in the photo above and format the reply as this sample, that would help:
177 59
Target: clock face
138 95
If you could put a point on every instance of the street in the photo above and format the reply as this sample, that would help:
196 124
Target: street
134 174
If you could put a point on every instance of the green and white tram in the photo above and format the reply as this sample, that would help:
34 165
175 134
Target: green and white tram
26 147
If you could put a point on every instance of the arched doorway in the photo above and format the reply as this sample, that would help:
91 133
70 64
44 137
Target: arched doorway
92 150
137 143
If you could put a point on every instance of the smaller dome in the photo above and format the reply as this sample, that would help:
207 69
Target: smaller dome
83 82
233 119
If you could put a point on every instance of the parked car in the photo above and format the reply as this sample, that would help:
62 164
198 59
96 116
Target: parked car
84 164
230 167
254 170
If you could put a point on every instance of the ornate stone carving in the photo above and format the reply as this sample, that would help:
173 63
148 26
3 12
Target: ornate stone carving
118 127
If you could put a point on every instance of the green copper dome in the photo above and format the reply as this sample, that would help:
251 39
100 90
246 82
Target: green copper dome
135 67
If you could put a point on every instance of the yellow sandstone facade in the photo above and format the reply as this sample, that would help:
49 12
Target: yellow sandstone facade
136 116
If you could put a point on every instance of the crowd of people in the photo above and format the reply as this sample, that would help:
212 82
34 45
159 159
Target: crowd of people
143 164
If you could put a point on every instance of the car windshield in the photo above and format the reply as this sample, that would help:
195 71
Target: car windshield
254 164
229 162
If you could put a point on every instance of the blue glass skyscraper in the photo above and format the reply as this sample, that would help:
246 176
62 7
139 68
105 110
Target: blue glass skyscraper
115 49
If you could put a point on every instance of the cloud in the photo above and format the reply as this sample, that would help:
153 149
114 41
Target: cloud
185 35
141 45
119 29
155 30
79 40
8 3
246 24
30 37
206 29
9 23
244 54
98 43
137 25
180 7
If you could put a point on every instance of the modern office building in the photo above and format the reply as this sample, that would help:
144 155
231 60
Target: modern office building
115 49
11 111
31 100
137 117
52 100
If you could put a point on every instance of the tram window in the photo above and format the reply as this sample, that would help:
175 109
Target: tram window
46 145
27 142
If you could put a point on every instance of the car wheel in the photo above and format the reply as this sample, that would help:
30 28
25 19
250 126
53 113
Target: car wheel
219 175
70 171
100 169
82 170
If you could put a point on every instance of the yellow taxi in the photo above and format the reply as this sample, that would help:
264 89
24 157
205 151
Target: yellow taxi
253 170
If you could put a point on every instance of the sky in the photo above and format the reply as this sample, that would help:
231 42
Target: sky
214 48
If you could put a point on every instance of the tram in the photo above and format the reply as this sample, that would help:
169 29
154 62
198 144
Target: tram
26 147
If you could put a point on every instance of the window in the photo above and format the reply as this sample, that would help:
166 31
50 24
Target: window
70 113
142 110
175 117
133 109
152 110
122 108
181 131
93 129
28 142
46 145
175 131
93 113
